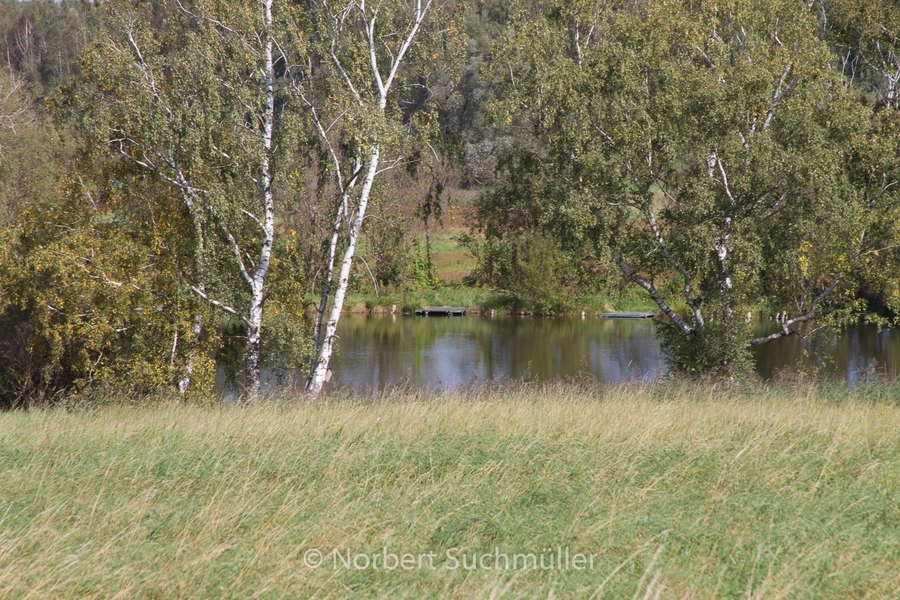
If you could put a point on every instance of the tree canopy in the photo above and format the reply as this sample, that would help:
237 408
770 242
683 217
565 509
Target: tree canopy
714 152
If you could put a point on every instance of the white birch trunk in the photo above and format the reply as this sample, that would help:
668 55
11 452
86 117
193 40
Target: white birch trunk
326 291
325 338
723 248
317 378
185 382
257 280
254 341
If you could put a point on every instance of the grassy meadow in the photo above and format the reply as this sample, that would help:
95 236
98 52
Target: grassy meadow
675 491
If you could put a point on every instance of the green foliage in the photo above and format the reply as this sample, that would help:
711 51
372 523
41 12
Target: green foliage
87 306
719 156
31 150
544 276
866 35
713 354
713 152
181 101
43 40
111 255
422 271
532 267
286 342
388 247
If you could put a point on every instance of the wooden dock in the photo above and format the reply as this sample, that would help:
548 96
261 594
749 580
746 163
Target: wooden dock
441 311
626 315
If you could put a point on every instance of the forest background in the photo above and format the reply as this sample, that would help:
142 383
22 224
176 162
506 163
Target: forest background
190 183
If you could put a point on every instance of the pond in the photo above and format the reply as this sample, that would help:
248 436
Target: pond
448 352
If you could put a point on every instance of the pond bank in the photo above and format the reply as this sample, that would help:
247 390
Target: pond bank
477 300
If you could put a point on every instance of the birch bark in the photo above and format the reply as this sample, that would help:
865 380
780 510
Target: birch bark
380 75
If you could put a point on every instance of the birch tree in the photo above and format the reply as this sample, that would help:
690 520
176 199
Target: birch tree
703 149
866 37
192 105
350 90
866 34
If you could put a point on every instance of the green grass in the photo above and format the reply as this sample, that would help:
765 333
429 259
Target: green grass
603 303
680 492
451 261
472 298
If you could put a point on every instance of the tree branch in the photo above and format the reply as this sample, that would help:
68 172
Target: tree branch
691 302
785 327
234 245
218 304
338 27
679 322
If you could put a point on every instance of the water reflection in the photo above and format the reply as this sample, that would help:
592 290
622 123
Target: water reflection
448 352
445 353
854 354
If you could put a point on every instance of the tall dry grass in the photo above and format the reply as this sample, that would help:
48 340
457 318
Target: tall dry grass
679 491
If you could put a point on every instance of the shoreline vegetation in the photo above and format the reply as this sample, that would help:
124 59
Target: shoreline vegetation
453 267
678 490
479 301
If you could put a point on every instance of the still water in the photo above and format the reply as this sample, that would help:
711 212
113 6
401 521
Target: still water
448 352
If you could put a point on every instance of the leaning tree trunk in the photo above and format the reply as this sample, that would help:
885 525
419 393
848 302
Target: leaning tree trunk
382 83
320 369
